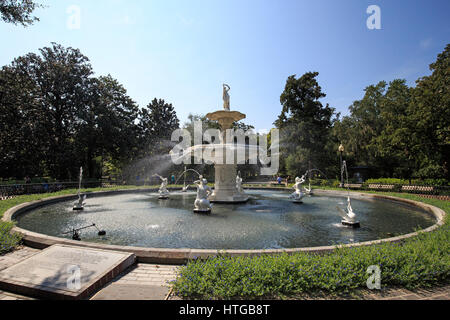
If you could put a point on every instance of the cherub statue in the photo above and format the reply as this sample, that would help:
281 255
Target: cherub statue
202 203
163 192
298 194
79 205
239 184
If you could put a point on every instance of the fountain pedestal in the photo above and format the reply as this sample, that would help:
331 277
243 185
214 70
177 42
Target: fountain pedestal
225 190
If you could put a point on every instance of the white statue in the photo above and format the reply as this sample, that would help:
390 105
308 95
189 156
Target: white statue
226 97
239 184
163 192
348 215
298 194
79 205
202 204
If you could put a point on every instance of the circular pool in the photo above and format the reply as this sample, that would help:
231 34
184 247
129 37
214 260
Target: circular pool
268 221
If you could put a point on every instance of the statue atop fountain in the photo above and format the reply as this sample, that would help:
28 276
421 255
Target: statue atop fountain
202 203
225 189
298 195
226 97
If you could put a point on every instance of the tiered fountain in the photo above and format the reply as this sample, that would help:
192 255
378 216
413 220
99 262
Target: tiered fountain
226 190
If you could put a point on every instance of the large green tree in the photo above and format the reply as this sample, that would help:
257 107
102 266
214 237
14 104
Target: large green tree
305 125
57 117
430 119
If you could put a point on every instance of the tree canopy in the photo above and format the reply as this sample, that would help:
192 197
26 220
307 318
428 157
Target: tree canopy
19 11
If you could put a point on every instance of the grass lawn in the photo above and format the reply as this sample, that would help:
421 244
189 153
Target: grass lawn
423 261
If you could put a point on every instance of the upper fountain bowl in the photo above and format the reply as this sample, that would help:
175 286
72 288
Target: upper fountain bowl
226 118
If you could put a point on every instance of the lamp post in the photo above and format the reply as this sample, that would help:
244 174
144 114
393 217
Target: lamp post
341 151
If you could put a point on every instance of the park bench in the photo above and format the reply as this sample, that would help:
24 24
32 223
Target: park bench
353 186
417 188
381 186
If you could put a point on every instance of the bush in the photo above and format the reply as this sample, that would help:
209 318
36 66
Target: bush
8 241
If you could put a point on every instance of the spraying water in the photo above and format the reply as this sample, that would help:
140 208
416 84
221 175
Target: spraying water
348 215
81 198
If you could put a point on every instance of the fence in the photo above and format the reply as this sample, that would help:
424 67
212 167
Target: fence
9 191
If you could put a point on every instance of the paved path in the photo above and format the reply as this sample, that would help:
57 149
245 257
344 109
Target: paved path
142 282
150 282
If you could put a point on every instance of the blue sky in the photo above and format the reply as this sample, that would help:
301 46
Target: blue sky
182 51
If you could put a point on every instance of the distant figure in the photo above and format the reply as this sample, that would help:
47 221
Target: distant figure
226 97
287 181
27 180
45 185
173 179
279 180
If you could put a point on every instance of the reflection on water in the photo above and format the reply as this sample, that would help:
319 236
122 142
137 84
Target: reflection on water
268 221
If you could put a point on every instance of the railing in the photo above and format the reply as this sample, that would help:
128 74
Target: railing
8 191
415 189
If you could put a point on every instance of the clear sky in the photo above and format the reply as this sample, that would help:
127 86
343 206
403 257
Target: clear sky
182 51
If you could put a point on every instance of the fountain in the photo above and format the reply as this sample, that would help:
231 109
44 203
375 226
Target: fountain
183 174
348 215
79 205
225 189
163 192
202 204
298 195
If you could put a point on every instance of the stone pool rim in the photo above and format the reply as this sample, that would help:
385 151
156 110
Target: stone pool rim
182 256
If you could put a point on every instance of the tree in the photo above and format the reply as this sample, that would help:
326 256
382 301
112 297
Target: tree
56 117
304 124
400 131
107 128
430 118
19 146
157 122
18 11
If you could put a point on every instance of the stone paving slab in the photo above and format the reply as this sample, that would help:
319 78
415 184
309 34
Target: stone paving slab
52 273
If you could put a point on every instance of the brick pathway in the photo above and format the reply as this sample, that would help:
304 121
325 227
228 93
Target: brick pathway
150 282
436 293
